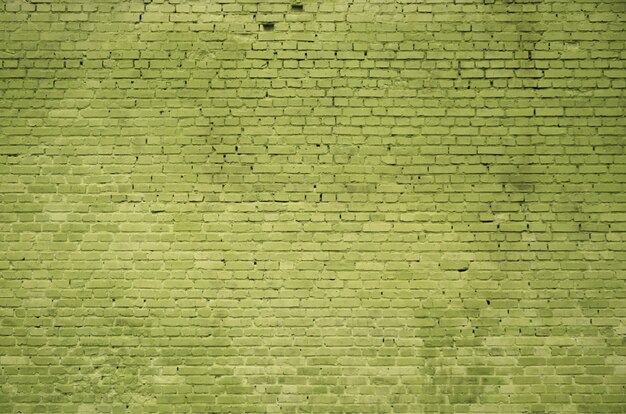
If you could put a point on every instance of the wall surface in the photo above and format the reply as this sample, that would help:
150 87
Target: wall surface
338 206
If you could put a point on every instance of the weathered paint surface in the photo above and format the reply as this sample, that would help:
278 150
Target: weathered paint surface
387 206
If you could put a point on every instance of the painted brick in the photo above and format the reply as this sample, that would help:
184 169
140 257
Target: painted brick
312 207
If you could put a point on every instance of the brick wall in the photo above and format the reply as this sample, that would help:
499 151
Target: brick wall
236 206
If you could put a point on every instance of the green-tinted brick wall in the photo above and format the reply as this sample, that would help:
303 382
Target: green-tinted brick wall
350 206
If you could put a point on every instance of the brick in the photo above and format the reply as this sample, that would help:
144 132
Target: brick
325 207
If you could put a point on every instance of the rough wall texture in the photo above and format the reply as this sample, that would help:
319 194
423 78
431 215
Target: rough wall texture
232 206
